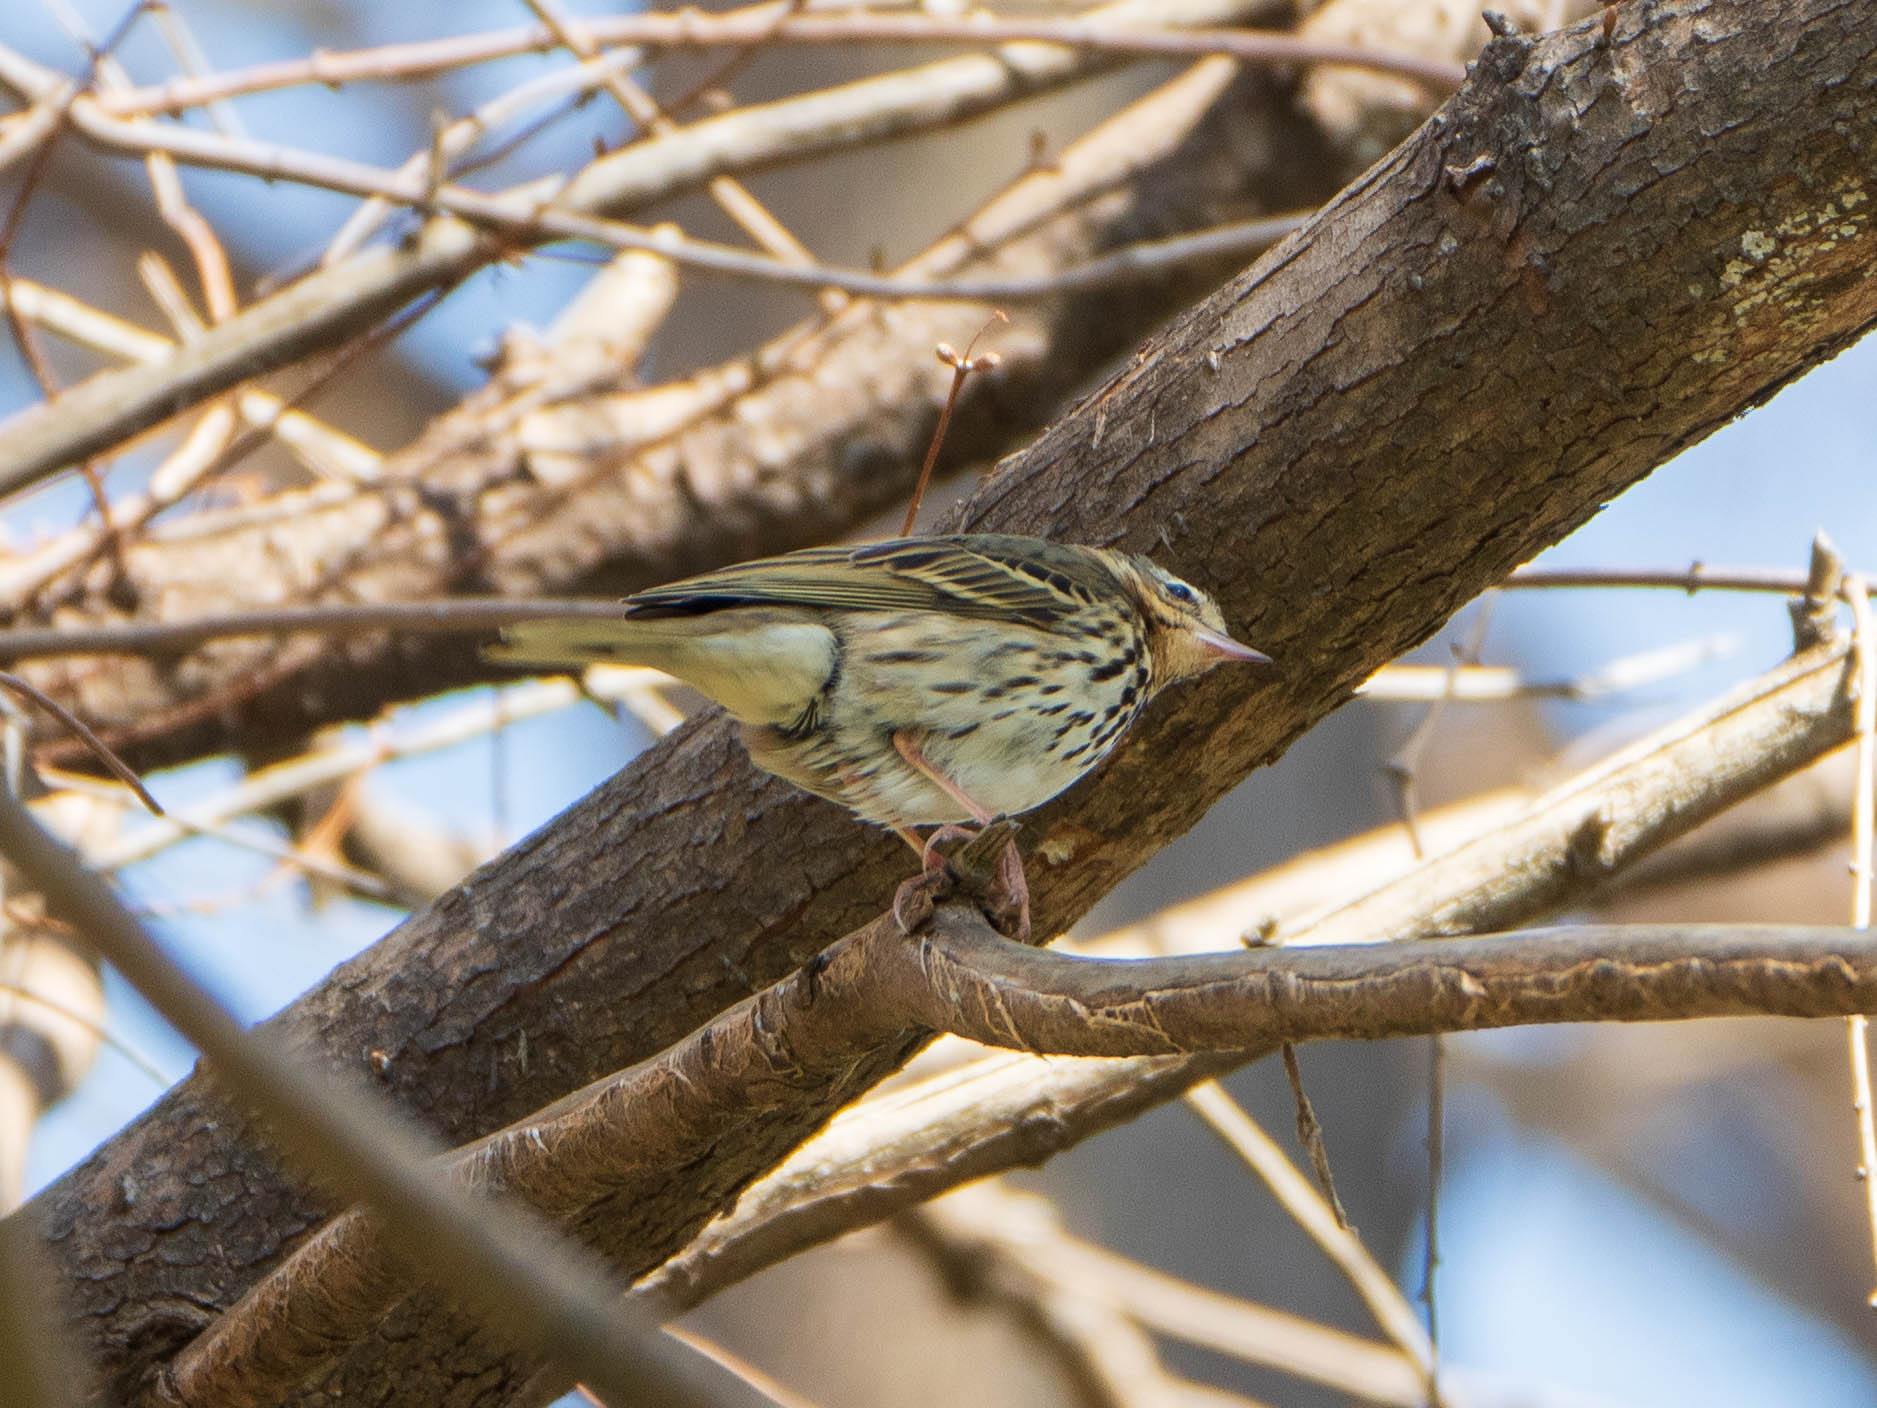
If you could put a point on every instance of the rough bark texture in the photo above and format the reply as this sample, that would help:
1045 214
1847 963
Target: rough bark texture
1597 253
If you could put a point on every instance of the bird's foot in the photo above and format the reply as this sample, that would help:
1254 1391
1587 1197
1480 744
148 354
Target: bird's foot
1007 899
987 866
913 901
931 857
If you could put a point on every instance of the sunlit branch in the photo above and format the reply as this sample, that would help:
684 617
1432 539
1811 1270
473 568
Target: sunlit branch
770 24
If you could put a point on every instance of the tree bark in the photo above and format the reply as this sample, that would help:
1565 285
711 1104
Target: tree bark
1604 247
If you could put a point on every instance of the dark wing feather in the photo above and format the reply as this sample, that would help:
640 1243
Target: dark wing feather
987 576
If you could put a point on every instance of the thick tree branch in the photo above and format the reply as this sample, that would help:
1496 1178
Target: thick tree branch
1441 376
1001 994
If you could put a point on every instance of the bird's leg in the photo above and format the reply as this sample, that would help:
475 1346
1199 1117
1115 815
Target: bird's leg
1011 889
908 748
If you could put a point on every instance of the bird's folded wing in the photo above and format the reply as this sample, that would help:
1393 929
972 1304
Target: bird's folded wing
969 577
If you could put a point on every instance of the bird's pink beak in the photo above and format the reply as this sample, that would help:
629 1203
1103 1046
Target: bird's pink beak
1228 649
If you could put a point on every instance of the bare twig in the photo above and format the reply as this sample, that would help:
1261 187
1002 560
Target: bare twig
278 782
1310 1135
459 615
1580 831
1863 828
470 615
112 763
731 195
961 367
1011 1249
770 24
1320 1221
1400 767
1436 1171
96 1029
762 1383
324 449
1697 577
1469 684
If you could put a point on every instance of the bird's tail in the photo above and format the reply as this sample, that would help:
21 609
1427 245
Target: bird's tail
764 667
568 643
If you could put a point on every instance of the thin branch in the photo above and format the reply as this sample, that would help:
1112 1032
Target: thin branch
962 366
1436 1149
1310 1135
205 367
731 195
324 449
1399 768
1863 843
1002 994
1010 1228
1319 1221
543 213
1009 1248
292 859
1471 684
771 25
1697 577
269 786
77 727
573 83
772 1391
1582 830
97 1030
470 615
456 616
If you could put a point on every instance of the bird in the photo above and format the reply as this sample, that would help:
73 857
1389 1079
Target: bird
940 681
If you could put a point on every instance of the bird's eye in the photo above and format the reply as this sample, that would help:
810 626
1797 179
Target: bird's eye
1183 594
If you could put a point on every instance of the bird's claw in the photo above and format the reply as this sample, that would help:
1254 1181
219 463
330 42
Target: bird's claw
914 900
932 858
1007 899
988 866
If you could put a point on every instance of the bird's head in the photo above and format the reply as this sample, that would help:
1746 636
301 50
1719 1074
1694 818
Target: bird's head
1186 632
